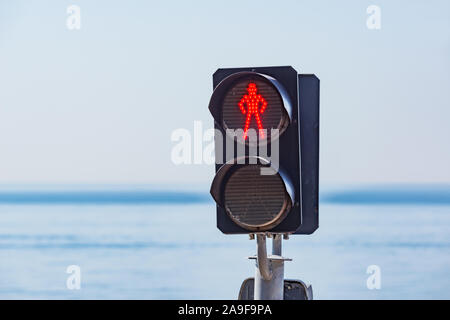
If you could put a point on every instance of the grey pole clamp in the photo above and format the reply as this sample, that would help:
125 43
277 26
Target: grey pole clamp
269 273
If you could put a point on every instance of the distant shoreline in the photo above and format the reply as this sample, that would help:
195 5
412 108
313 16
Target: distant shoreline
363 196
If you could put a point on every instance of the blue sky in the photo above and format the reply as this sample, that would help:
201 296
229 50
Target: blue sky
98 105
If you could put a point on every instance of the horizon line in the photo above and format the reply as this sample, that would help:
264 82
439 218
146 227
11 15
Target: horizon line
376 195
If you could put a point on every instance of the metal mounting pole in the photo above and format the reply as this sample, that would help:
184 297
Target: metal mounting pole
269 275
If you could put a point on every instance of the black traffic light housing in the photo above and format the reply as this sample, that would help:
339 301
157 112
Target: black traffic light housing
298 147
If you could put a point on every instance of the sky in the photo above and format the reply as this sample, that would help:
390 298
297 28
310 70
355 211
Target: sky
98 105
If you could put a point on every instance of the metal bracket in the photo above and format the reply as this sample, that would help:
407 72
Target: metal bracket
269 273
269 283
263 261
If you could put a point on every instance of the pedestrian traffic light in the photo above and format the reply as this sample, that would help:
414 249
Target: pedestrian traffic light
267 150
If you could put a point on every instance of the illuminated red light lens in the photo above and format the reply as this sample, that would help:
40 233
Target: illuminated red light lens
253 104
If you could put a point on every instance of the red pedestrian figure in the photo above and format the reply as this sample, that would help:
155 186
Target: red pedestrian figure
253 100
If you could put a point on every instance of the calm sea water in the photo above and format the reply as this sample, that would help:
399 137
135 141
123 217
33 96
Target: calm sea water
166 246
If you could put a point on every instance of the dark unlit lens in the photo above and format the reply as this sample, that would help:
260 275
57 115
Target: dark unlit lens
255 201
